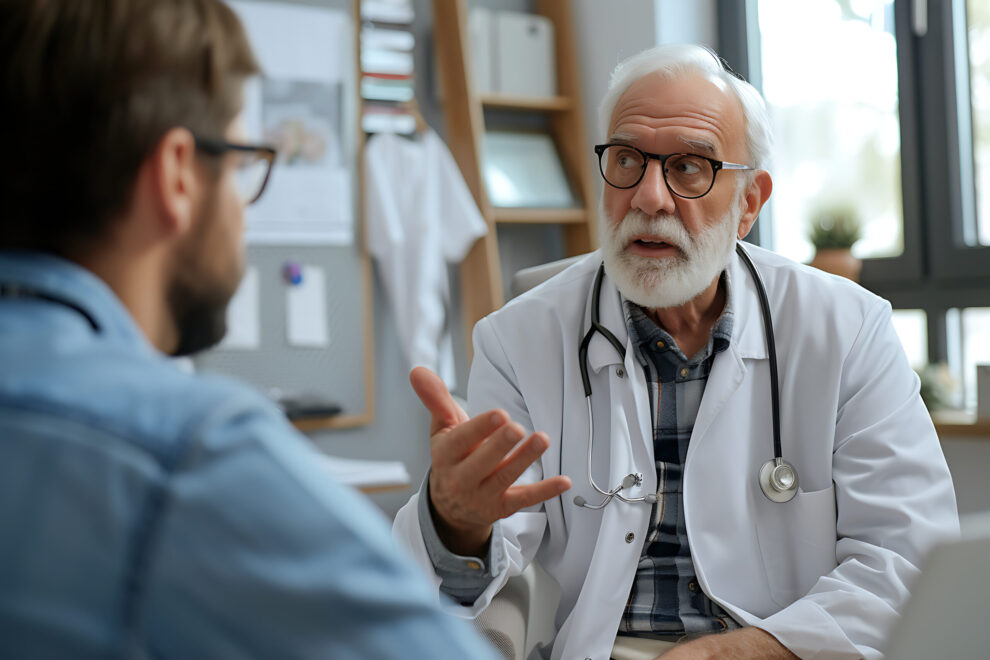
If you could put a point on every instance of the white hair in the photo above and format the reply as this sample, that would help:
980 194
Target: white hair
673 60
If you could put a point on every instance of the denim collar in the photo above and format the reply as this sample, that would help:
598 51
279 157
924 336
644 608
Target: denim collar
60 281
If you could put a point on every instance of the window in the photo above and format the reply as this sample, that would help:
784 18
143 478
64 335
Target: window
834 111
911 326
884 104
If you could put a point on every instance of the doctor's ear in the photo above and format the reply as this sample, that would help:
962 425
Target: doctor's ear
752 200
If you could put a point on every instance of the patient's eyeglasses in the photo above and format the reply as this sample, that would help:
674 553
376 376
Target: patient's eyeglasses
254 166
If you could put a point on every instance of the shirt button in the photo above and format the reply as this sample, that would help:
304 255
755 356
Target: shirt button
620 372
684 373
630 537
473 565
660 344
722 623
692 585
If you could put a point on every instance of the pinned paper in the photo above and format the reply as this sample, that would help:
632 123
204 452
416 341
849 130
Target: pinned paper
243 317
306 310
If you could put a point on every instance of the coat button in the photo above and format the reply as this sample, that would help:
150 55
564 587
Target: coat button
630 537
620 372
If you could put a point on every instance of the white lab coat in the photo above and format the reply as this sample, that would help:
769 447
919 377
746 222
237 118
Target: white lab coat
827 572
419 216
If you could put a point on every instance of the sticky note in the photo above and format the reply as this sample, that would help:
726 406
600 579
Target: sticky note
306 310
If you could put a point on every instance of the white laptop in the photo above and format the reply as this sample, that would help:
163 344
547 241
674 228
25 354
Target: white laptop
948 614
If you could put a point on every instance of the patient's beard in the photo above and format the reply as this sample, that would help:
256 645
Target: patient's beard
198 294
657 283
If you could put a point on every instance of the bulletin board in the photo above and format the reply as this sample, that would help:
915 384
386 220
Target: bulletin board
292 241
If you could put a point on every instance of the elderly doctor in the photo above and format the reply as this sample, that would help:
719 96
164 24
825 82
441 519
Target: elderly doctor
684 521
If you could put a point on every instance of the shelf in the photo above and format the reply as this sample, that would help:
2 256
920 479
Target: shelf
540 216
958 423
523 103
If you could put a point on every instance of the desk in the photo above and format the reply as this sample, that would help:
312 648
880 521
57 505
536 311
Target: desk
374 490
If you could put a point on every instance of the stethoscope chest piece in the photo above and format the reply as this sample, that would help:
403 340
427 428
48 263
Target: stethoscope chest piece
779 480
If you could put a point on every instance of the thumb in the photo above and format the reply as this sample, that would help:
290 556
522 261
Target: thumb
431 390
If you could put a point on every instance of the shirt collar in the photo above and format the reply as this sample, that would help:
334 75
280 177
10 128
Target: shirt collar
645 333
62 280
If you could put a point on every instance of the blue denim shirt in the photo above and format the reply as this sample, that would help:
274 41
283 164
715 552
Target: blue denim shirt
146 512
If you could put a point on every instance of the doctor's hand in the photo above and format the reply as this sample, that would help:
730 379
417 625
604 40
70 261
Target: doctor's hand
475 463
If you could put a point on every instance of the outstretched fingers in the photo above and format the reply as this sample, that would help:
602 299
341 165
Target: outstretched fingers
487 457
512 467
520 497
451 446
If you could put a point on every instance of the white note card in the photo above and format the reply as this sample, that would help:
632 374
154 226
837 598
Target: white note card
243 316
306 310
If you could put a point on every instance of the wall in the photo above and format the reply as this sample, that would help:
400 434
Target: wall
969 462
687 22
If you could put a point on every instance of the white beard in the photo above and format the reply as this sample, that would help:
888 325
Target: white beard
669 281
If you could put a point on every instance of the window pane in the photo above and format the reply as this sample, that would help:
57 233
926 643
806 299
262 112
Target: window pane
978 39
974 328
830 79
911 326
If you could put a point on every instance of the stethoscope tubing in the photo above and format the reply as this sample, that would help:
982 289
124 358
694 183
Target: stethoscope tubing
769 482
771 349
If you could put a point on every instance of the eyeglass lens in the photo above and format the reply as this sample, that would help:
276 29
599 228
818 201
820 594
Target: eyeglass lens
250 177
687 175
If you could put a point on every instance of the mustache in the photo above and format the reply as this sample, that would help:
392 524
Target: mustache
663 228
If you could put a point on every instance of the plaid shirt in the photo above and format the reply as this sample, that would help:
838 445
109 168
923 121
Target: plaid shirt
666 599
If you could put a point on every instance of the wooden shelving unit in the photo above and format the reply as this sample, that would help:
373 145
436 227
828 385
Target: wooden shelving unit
539 216
526 103
481 277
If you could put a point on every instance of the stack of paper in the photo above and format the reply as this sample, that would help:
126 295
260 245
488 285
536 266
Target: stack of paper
367 474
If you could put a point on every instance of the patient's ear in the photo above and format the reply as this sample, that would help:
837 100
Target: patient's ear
172 180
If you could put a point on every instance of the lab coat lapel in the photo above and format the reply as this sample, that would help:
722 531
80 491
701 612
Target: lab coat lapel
629 408
748 343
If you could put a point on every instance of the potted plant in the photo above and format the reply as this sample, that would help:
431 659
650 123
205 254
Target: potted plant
938 387
833 230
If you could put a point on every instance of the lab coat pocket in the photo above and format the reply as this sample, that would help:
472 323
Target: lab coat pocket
797 541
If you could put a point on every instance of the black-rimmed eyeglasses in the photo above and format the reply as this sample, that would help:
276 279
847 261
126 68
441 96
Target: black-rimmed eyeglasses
687 175
253 169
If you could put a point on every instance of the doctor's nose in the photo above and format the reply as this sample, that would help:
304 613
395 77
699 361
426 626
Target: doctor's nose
652 195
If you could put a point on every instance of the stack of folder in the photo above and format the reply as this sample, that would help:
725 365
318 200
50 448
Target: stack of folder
387 66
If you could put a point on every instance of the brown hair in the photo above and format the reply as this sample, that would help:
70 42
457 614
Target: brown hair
90 87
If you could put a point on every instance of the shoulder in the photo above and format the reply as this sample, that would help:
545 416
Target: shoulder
812 292
138 396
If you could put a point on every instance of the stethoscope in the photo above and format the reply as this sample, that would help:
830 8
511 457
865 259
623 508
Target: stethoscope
16 291
778 478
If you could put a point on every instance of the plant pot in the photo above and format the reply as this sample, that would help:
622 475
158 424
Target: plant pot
838 262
